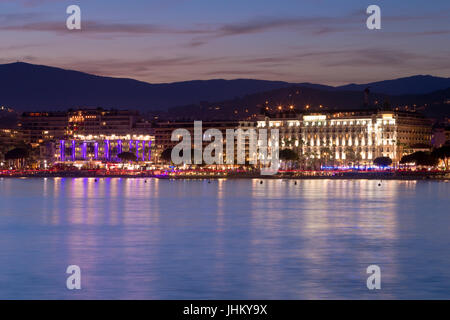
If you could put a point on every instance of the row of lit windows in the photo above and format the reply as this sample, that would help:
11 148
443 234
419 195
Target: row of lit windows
351 123
296 123
338 142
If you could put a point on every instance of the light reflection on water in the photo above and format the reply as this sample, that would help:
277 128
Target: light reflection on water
228 239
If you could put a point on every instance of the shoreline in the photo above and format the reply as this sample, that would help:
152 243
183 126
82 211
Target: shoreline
439 176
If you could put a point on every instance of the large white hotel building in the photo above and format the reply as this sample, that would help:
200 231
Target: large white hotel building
369 133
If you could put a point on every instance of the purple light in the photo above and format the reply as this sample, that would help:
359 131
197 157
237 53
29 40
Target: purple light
149 151
106 153
96 150
84 147
143 150
137 149
119 146
73 150
62 150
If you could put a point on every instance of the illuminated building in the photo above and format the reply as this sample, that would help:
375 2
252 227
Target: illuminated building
364 134
38 127
163 132
105 148
9 138
99 121
288 124
46 130
369 136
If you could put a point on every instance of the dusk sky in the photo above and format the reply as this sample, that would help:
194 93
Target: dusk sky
320 41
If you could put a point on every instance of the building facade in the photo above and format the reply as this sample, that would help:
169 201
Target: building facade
104 148
45 131
99 121
163 133
351 136
9 139
37 127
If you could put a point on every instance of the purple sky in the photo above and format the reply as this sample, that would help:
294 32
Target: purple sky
321 41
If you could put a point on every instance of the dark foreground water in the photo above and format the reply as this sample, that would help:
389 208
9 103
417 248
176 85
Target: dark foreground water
228 239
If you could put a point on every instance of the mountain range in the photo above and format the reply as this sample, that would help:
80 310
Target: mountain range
29 87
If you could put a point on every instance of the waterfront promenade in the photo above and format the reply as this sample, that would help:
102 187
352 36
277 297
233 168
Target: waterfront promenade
234 174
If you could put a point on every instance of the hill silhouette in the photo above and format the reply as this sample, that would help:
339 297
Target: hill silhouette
435 104
420 84
29 87
34 87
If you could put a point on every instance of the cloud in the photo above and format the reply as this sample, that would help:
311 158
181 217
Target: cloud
29 3
93 27
138 67
203 33
22 46
306 25
418 33
15 23
370 57
249 73
17 18
265 24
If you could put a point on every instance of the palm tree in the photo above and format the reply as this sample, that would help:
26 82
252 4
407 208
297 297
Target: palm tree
358 156
307 156
166 155
17 154
401 147
421 158
127 156
288 155
382 161
302 160
326 154
289 142
350 155
314 159
443 153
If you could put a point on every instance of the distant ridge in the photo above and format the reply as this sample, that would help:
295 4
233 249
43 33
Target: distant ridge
35 87
29 87
434 105
419 84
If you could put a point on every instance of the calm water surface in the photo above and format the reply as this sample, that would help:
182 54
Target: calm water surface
228 239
